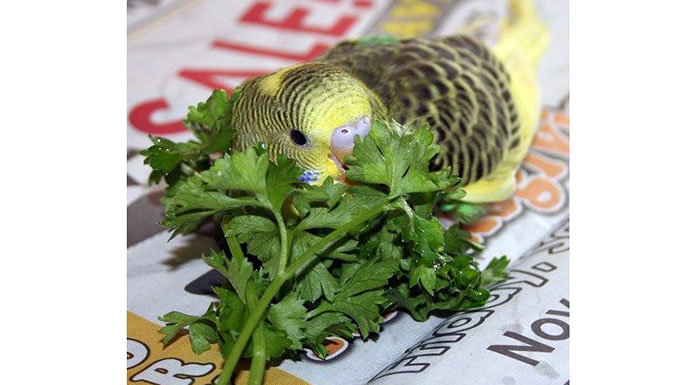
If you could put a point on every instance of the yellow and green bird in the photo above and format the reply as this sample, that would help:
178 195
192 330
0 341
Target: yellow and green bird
482 103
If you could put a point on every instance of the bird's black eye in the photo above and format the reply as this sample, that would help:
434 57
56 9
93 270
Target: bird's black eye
299 138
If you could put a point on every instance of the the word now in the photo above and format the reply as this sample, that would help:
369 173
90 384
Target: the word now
560 332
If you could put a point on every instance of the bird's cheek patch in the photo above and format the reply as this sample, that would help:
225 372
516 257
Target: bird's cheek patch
310 176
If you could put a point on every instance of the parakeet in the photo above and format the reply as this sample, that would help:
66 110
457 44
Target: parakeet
482 103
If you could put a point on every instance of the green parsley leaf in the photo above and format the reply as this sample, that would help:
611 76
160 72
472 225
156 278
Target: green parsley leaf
165 155
328 194
202 325
425 275
276 342
237 272
495 271
288 315
231 311
282 180
358 297
175 321
356 201
243 171
320 327
396 158
189 203
261 235
211 124
318 281
202 335
214 115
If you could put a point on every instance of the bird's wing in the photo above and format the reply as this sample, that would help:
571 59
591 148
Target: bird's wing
455 84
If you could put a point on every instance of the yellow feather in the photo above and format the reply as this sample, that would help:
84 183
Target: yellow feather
271 83
355 106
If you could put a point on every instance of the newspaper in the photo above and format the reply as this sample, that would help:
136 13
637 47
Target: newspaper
179 51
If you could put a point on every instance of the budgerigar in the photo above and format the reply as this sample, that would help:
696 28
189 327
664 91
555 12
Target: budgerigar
482 103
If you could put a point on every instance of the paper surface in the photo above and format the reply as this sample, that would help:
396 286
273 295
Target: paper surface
179 51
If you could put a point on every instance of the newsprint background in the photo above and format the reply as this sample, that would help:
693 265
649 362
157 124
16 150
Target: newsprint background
178 51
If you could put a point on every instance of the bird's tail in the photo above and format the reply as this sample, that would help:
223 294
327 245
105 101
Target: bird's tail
521 45
522 34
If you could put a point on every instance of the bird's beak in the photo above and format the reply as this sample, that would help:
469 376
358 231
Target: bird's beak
343 138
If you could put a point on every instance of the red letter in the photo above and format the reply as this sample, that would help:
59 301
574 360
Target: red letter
295 21
207 78
140 117
316 50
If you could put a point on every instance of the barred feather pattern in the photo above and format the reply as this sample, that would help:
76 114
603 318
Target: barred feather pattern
455 84
301 94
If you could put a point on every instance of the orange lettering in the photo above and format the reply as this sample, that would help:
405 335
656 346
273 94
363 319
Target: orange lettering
506 209
549 140
562 120
551 167
540 193
485 226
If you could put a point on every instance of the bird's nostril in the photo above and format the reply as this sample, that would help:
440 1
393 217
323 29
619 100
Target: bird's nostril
343 138
364 122
362 126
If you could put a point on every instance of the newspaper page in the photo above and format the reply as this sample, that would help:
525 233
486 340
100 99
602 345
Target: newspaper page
179 51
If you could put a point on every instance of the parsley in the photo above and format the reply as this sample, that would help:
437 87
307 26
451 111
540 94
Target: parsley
211 124
304 262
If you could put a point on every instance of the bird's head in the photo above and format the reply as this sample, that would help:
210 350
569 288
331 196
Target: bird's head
310 112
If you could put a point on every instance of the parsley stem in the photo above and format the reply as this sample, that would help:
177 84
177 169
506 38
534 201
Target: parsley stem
329 239
257 364
232 241
401 203
271 291
284 247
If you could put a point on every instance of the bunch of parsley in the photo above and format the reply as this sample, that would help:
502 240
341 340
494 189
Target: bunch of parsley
305 262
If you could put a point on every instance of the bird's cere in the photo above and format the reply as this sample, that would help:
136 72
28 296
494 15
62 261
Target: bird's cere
343 138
